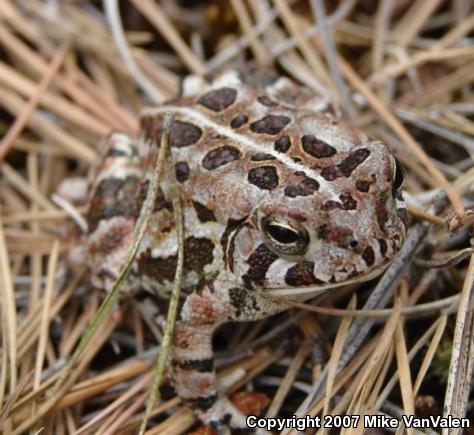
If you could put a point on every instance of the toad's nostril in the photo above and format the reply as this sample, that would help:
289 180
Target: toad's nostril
353 244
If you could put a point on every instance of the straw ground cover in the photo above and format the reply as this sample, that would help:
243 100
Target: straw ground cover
400 70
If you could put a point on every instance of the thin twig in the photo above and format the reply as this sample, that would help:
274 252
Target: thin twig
9 320
113 15
20 122
462 357
45 315
174 298
328 44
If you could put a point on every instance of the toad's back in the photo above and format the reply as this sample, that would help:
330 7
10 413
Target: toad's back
276 192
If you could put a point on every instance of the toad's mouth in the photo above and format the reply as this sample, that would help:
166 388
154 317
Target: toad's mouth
314 290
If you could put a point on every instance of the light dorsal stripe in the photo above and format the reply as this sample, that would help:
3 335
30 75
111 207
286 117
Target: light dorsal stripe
200 119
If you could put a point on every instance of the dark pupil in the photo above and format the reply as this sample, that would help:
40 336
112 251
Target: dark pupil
282 234
398 176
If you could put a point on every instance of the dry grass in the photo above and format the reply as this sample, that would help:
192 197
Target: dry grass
402 71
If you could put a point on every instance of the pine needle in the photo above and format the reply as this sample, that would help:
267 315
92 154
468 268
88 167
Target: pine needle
174 297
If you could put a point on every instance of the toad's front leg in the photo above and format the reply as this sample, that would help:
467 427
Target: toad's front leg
195 378
194 375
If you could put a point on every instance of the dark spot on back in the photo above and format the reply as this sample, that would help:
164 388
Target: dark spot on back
218 99
270 124
345 168
316 147
368 256
238 121
348 202
353 160
331 205
220 156
115 197
260 157
182 171
199 252
282 144
204 214
301 275
305 187
330 173
183 134
264 177
157 268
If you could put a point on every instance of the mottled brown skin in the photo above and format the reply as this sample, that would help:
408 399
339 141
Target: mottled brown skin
277 194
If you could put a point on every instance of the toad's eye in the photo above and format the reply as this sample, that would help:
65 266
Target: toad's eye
282 234
284 237
398 175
